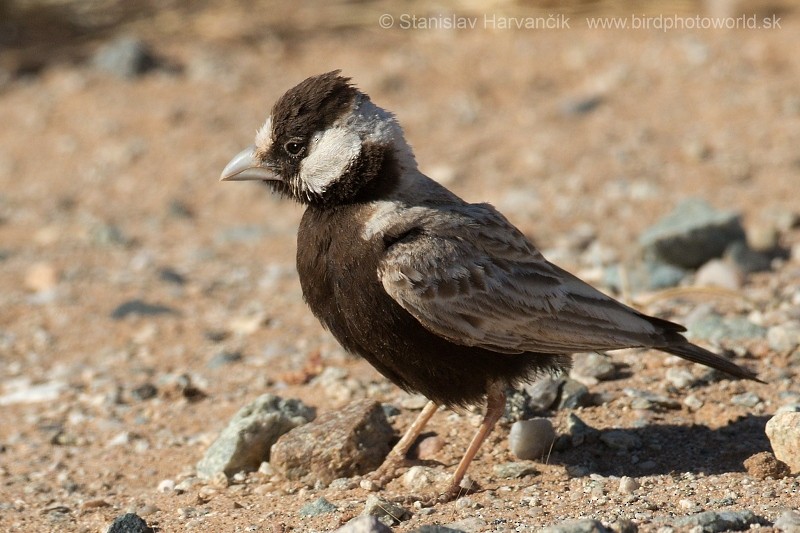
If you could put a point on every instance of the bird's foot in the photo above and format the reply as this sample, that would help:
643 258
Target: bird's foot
453 492
388 470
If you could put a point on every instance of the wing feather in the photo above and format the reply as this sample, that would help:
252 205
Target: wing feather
470 276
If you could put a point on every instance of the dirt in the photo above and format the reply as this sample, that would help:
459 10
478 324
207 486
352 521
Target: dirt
110 195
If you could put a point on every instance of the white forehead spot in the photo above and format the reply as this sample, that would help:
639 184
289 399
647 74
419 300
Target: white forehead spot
329 154
264 135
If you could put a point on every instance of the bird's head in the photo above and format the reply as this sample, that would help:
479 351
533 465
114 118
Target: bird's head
324 144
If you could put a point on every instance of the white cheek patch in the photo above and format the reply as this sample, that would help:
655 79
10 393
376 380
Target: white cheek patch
264 136
328 157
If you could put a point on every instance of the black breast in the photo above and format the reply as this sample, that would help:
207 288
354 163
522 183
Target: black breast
338 274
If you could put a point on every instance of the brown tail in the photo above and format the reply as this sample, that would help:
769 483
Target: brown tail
683 348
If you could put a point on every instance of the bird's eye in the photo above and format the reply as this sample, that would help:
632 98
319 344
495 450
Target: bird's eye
294 147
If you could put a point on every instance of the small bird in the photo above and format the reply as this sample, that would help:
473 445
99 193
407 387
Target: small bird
443 297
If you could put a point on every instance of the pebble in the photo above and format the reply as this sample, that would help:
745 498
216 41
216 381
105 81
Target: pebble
746 399
783 432
129 523
618 439
718 521
513 470
719 273
364 524
144 392
587 525
581 105
429 447
543 393
692 234
651 274
646 400
420 478
124 57
387 512
765 465
680 377
245 443
531 439
345 442
748 260
788 521
436 529
317 507
628 485
580 432
693 402
574 394
140 308
166 485
784 337
592 365
224 358
21 390
473 524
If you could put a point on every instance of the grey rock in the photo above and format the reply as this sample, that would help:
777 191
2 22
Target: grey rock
124 57
746 399
680 377
581 106
436 529
542 393
224 358
649 275
385 510
245 443
340 443
784 337
144 392
364 524
618 439
129 523
531 439
623 525
719 273
783 432
317 507
692 233
170 275
789 522
586 525
513 470
517 405
473 524
716 521
580 431
748 260
592 365
715 328
646 400
140 308
574 394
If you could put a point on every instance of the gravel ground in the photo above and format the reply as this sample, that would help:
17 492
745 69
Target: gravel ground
143 303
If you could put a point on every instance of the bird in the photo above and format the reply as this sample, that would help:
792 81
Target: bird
443 297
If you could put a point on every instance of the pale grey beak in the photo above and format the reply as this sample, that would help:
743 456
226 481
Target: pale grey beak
245 166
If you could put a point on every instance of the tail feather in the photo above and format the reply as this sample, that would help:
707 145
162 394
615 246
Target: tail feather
692 352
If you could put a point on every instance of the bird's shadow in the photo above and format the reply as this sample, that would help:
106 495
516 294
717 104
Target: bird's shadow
667 449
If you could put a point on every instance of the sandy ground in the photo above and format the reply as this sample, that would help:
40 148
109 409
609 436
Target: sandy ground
110 194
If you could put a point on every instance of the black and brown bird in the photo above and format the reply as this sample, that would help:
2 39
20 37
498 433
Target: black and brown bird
443 297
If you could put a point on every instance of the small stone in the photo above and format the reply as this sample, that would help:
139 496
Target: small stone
651 274
513 470
364 524
783 431
580 431
618 439
436 529
628 485
592 365
788 521
623 525
718 521
170 275
531 439
692 234
421 478
746 399
41 277
386 510
144 392
784 337
139 308
748 260
680 377
245 443
586 525
166 485
124 57
719 273
574 394
224 358
693 402
686 504
646 400
429 447
765 465
714 328
763 237
582 105
341 443
367 484
317 507
129 523
543 393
